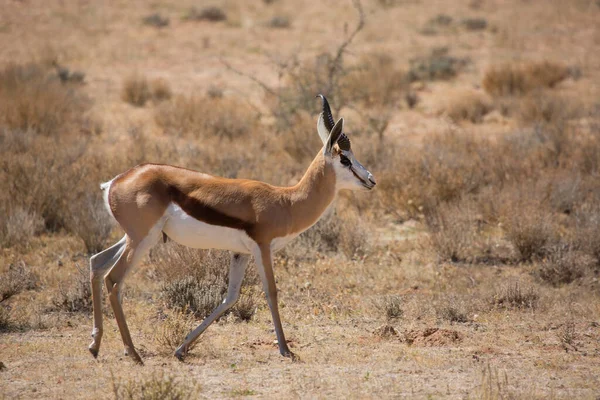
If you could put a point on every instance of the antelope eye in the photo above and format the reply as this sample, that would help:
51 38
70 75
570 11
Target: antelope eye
345 161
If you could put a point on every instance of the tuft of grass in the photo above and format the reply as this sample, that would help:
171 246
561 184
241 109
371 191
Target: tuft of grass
564 264
467 105
155 20
153 387
32 98
279 22
16 279
452 310
136 90
475 24
206 117
19 226
211 13
515 296
174 329
76 296
160 90
391 306
437 65
522 78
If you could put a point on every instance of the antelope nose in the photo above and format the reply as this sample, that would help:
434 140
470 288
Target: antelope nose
372 179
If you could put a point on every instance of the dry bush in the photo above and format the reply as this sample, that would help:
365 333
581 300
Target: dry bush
18 227
206 117
545 107
76 296
452 310
437 65
6 323
475 24
136 90
453 232
154 387
279 22
32 98
467 105
564 264
335 232
515 296
160 90
90 221
156 20
17 279
196 280
174 329
521 78
376 81
527 225
211 13
391 306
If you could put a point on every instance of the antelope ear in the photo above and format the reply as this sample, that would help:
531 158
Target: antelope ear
322 129
336 131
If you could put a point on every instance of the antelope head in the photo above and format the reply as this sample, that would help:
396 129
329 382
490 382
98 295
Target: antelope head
350 174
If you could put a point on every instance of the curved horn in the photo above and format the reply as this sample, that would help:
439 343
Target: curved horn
327 117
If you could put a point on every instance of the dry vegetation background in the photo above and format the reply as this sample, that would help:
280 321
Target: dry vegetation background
470 272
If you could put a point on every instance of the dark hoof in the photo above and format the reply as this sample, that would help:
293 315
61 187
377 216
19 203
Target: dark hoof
180 356
94 352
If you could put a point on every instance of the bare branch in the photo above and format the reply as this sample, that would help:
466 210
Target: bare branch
254 79
336 63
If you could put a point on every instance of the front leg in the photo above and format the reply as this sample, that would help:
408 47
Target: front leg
263 258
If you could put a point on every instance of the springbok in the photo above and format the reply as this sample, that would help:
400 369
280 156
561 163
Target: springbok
202 211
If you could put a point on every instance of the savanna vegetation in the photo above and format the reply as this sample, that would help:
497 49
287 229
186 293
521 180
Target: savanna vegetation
471 271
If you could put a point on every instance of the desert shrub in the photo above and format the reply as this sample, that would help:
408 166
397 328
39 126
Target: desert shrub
521 78
335 232
453 232
376 81
514 296
246 306
19 226
32 98
391 306
467 105
136 90
153 387
160 90
205 117
544 107
90 221
155 20
475 24
196 280
452 310
437 65
211 13
76 294
6 323
564 264
17 279
279 22
527 225
173 330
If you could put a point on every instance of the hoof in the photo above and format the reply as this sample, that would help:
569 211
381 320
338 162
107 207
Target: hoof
180 356
93 351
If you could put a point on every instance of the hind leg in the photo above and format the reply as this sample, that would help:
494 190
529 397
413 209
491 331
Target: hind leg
132 254
99 264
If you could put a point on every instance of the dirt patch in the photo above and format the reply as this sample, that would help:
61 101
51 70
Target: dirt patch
431 337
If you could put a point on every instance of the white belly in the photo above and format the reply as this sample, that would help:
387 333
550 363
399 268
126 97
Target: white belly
188 231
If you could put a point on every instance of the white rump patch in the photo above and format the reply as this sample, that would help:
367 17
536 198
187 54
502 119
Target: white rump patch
188 231
105 187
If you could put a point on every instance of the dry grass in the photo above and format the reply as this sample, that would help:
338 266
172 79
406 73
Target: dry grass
136 90
17 279
206 117
154 387
467 105
211 13
32 98
519 79
474 194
